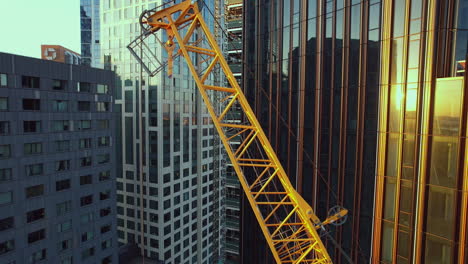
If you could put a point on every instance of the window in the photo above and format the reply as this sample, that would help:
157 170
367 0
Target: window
87 236
62 165
86 218
66 260
59 84
34 169
31 126
35 215
7 223
32 104
85 161
103 158
4 151
84 106
38 256
64 226
32 148
60 125
86 200
4 128
63 207
83 87
103 175
34 191
103 141
3 79
62 145
3 104
103 124
104 195
103 107
104 211
84 124
36 236
105 229
85 143
64 245
102 88
59 106
86 179
87 253
7 246
6 197
62 185
5 175
30 82
106 244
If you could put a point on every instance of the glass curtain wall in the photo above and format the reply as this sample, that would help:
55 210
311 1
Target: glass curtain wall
311 74
420 214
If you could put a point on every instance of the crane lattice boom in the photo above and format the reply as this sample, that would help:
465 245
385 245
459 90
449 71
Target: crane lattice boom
287 221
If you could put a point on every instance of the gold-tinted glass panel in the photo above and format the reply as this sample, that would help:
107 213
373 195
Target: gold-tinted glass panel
438 251
399 18
410 109
413 54
387 242
392 155
406 196
444 161
389 201
396 99
403 244
397 61
440 212
408 151
447 106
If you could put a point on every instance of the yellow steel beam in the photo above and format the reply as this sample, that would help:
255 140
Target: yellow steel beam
294 231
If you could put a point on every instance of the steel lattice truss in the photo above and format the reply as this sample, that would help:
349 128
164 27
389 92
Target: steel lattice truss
287 221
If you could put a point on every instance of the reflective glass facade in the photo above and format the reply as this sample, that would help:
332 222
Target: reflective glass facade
422 174
90 33
168 200
311 74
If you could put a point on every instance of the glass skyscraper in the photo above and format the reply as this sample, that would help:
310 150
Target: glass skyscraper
169 200
367 105
422 173
311 74
90 32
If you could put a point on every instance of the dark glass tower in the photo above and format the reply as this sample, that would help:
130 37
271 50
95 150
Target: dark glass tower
311 74
421 196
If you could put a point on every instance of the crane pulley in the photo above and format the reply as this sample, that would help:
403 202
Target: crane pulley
288 222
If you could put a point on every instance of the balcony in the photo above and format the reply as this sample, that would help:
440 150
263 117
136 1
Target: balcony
232 247
236 68
233 202
232 224
235 45
234 24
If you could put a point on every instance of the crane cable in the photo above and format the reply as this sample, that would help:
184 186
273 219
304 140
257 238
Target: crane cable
290 131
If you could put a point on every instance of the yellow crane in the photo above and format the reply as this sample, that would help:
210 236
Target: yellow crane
288 222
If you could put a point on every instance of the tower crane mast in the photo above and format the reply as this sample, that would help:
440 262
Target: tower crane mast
287 221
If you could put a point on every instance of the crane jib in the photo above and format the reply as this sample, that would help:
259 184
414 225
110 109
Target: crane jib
288 222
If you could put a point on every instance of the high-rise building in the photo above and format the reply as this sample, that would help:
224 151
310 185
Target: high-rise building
168 190
422 173
233 19
57 163
90 33
311 74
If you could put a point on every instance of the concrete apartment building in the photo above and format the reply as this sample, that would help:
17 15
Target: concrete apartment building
57 163
167 165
